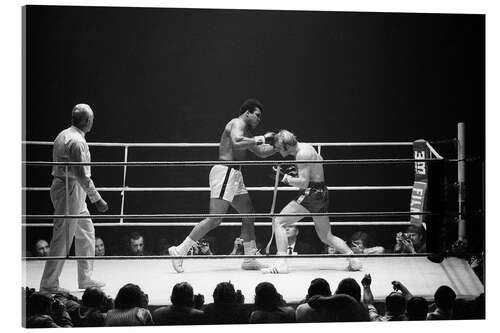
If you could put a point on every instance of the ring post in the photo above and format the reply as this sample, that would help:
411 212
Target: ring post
273 205
123 183
461 181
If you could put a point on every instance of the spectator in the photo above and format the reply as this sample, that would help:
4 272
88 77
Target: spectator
395 307
100 249
92 310
462 310
135 245
477 265
238 247
41 248
203 247
162 248
227 307
395 302
444 298
44 311
295 246
360 243
130 308
412 241
349 286
26 293
270 307
478 307
304 313
200 248
417 308
183 310
338 308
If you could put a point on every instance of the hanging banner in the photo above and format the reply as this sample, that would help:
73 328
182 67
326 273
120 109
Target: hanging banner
418 201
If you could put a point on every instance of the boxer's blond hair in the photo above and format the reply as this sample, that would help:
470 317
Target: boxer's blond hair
286 138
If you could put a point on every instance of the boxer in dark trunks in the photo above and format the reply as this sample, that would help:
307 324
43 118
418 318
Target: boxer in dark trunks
312 198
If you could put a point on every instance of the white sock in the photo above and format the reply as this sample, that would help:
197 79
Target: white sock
250 247
185 246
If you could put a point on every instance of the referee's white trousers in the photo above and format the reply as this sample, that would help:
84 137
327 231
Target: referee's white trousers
64 230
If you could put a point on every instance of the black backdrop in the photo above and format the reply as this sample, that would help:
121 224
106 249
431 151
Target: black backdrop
178 75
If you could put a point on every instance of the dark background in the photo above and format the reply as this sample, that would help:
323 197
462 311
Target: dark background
178 75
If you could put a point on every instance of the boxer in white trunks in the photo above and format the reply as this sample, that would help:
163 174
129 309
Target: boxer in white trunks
226 182
312 198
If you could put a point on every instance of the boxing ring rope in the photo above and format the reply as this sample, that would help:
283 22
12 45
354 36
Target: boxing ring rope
249 188
126 163
239 215
238 256
238 163
227 224
201 145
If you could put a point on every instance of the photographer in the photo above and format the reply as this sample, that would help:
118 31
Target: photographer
200 248
411 241
46 311
238 247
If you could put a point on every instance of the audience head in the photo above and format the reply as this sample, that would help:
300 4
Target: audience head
162 247
42 248
339 307
291 232
267 297
395 303
136 244
318 286
100 249
349 286
94 297
39 303
444 297
416 234
224 293
417 308
479 307
130 296
182 294
360 239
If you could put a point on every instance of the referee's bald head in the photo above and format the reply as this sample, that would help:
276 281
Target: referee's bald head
82 117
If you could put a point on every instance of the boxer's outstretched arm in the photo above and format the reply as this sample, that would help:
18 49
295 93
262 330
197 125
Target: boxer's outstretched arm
263 151
238 139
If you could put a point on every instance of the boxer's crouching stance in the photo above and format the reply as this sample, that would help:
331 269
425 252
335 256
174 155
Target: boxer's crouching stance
226 183
312 198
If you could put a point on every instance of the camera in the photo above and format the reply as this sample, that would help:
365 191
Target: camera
203 242
406 236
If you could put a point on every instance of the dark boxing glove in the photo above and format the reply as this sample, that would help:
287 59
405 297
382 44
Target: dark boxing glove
286 171
267 138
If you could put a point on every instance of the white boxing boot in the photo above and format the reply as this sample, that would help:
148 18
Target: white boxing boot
251 263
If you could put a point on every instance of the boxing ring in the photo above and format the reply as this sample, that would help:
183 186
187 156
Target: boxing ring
156 277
